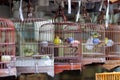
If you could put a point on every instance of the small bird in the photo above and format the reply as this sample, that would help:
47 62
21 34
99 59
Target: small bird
108 42
57 40
96 41
95 34
73 43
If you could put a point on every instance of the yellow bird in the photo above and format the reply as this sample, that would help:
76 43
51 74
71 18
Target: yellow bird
57 40
106 40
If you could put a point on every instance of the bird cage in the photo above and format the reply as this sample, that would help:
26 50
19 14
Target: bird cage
108 76
28 35
93 39
7 47
28 42
113 51
65 42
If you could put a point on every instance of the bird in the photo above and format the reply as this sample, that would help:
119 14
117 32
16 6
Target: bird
95 34
96 41
108 42
73 43
57 40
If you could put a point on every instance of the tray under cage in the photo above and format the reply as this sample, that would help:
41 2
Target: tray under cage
7 47
93 43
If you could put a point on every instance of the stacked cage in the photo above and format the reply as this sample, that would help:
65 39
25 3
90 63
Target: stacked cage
7 48
31 50
93 43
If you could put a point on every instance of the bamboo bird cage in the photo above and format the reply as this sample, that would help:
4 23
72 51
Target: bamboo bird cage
93 43
65 40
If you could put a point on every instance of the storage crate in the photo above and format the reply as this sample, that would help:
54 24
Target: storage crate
108 76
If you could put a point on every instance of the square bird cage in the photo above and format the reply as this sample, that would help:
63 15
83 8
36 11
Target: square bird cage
93 43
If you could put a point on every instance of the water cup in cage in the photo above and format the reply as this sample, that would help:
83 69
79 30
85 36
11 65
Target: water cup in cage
5 58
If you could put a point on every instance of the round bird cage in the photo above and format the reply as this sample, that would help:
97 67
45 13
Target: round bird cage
7 47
